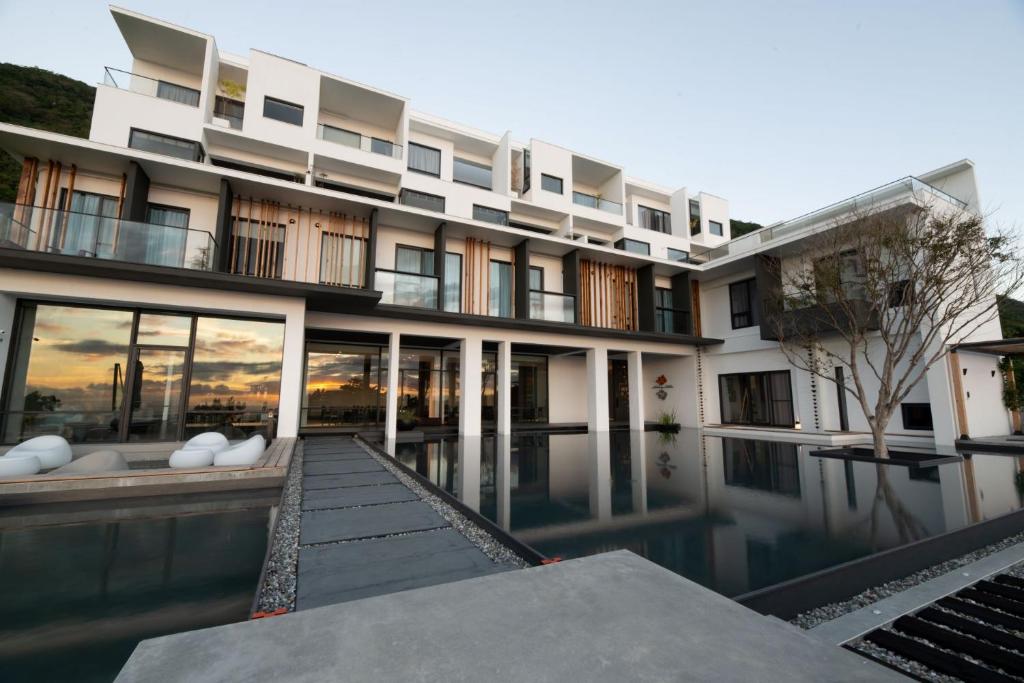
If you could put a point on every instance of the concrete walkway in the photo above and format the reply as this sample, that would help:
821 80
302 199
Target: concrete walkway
611 617
364 533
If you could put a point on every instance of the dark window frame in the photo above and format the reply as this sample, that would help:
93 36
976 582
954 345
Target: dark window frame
913 423
423 252
694 217
406 190
621 246
685 255
769 397
167 207
469 162
267 99
711 228
657 219
537 269
199 150
409 165
548 176
751 319
488 208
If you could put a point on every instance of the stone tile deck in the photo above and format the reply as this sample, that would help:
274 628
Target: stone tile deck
364 533
611 617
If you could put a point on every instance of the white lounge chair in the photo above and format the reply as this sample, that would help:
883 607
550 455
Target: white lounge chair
19 464
52 451
191 457
215 441
96 462
245 453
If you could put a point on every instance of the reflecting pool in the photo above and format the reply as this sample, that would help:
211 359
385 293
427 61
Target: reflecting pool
732 514
81 586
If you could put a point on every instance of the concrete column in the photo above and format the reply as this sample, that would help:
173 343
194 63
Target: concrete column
292 371
503 479
503 387
470 356
635 371
638 470
597 390
391 411
600 474
940 396
469 471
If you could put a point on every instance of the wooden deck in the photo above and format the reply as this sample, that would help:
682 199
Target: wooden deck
267 473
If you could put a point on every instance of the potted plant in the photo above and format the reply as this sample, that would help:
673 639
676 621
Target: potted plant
667 423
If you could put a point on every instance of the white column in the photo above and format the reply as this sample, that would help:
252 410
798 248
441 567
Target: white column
597 390
503 387
292 368
503 479
600 497
391 410
940 396
638 469
635 367
468 472
470 356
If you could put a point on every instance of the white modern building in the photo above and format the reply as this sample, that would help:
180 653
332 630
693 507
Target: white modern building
251 243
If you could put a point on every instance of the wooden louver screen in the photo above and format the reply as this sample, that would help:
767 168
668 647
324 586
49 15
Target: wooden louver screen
341 248
257 238
608 296
476 291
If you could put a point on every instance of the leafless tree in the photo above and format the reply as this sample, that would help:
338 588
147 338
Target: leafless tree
885 293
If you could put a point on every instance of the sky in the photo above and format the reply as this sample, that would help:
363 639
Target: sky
780 107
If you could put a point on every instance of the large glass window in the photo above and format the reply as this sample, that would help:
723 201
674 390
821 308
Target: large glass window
633 246
471 173
715 228
529 388
428 387
654 219
165 144
257 248
485 213
341 259
763 465
344 385
422 200
500 299
757 398
423 159
742 298
89 229
279 110
162 242
177 93
452 282
677 255
694 217
414 260
551 183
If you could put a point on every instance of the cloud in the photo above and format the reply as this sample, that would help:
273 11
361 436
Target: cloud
92 347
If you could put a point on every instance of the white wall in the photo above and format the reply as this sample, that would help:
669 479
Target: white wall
566 376
983 395
283 80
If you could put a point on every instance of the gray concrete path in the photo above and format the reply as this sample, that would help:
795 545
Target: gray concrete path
364 533
611 617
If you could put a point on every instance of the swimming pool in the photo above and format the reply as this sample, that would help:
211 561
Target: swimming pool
732 514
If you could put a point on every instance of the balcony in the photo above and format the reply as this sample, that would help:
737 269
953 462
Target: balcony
594 202
358 141
71 233
151 87
407 289
552 307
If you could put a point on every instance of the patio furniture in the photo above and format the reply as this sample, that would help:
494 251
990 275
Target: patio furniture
96 462
19 464
245 453
191 457
215 441
52 451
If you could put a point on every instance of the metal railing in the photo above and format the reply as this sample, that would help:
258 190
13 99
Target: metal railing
552 306
406 289
359 141
152 87
584 199
74 233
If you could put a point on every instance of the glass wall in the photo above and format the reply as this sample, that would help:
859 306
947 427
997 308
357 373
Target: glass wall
73 367
344 385
529 388
500 296
763 465
428 387
757 398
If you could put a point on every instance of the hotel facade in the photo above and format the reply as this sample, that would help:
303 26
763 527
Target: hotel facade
251 244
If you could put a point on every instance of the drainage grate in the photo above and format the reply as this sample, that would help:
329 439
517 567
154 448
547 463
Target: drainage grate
975 635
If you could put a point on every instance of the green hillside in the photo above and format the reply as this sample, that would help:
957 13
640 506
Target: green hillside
741 228
1011 315
40 99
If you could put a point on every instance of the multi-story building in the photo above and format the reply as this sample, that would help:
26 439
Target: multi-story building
250 241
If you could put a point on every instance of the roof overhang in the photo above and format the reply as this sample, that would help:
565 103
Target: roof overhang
996 347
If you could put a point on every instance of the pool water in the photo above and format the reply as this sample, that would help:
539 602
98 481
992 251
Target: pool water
732 514
80 587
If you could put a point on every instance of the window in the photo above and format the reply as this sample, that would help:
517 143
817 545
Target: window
188 150
260 170
536 279
526 171
757 398
452 282
341 259
279 110
173 216
634 246
471 173
550 183
769 466
423 159
900 294
584 199
715 228
177 93
654 219
663 315
742 296
340 136
678 255
414 260
344 385
229 109
257 248
917 416
694 217
500 296
422 200
90 227
484 213
162 243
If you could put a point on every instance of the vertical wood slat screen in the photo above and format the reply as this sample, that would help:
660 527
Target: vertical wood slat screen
255 231
339 244
608 296
476 288
24 200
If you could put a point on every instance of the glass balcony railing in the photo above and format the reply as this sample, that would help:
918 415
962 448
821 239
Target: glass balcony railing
584 199
153 87
407 289
552 306
73 233
359 141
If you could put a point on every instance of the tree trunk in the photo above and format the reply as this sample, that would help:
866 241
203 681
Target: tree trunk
878 437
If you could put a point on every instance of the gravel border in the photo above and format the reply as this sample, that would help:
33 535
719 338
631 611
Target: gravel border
476 534
820 615
279 579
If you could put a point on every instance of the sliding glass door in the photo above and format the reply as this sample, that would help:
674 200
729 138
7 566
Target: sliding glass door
757 398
